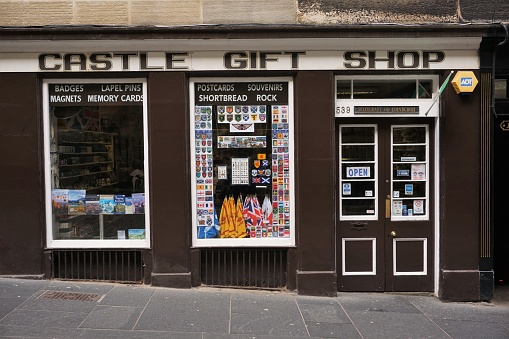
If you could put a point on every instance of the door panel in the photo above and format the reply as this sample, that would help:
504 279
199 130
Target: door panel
385 217
361 216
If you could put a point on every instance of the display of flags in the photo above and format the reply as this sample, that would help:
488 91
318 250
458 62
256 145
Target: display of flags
241 219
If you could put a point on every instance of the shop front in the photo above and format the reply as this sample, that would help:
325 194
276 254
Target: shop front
311 164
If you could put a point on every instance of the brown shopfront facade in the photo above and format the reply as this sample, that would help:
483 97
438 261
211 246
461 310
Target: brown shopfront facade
289 164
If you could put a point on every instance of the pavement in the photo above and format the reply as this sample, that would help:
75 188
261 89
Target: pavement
63 309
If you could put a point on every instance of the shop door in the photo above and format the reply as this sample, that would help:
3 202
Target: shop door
385 228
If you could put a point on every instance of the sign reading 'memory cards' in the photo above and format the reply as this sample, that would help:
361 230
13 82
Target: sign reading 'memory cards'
95 94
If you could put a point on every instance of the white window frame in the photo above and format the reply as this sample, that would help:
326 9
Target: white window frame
414 217
244 242
345 107
92 243
375 161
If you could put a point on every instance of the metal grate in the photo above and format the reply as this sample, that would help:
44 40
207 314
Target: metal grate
74 296
112 266
244 268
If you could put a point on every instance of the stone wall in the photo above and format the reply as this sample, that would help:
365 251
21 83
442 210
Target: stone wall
193 12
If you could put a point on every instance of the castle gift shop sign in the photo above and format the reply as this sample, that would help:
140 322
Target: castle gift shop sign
246 60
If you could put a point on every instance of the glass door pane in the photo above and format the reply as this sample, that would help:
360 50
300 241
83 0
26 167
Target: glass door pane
358 176
409 182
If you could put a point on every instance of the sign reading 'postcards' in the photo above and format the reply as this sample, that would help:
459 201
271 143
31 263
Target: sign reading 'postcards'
241 93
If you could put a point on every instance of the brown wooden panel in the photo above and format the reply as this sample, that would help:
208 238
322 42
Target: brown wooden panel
314 93
409 256
169 182
22 217
358 255
460 187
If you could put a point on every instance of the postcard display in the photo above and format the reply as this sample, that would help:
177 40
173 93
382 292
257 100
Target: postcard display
88 200
242 159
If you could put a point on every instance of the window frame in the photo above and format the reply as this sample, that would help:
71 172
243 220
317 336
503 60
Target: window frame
52 243
375 179
344 107
426 198
243 242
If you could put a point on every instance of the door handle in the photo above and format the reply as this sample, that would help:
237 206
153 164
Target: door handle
388 207
393 234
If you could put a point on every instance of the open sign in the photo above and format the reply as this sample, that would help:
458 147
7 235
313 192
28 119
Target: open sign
358 172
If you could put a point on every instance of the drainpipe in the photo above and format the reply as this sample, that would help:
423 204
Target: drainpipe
493 69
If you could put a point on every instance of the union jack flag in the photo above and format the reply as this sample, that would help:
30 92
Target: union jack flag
252 211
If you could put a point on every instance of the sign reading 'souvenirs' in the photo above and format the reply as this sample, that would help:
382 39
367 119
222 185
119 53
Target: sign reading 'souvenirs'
95 94
241 93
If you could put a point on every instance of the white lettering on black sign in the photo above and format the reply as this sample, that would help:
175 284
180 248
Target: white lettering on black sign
95 94
247 93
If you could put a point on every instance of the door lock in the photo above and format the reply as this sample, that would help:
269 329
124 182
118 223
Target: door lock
393 234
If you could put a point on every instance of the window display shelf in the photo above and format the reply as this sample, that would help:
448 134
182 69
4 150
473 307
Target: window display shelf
85 142
88 163
82 153
83 174
86 159
97 187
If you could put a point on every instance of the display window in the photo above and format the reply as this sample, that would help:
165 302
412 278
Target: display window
242 161
96 163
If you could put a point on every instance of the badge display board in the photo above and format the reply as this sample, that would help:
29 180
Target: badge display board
242 160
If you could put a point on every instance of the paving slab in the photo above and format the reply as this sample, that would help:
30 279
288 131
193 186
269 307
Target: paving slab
436 309
134 296
7 305
380 302
322 310
266 314
112 317
186 311
332 330
380 324
20 288
118 334
501 317
250 336
25 331
44 319
473 329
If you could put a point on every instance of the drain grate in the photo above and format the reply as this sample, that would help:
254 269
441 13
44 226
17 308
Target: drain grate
74 296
